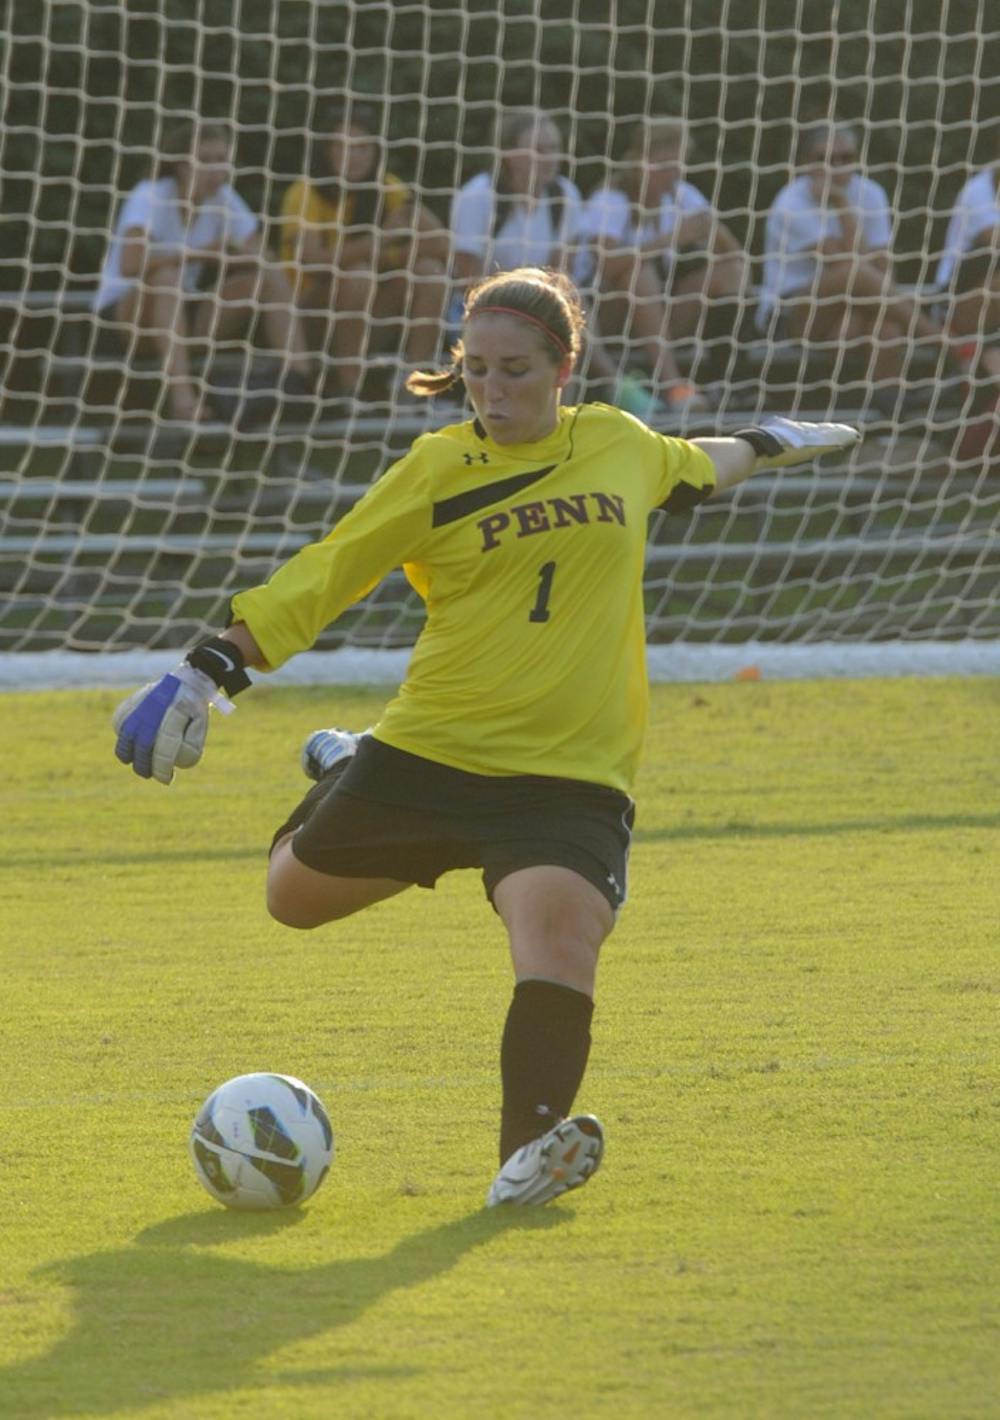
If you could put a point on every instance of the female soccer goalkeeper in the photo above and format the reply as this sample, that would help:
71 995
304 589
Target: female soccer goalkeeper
513 742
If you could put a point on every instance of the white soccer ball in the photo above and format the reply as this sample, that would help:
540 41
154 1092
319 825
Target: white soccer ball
262 1141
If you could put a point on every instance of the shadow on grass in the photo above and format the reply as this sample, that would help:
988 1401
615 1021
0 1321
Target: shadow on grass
194 854
170 1320
905 823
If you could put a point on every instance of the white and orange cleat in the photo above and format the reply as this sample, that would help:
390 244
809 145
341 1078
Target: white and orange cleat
562 1159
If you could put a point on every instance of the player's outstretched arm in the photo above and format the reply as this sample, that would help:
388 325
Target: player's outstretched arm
162 727
776 442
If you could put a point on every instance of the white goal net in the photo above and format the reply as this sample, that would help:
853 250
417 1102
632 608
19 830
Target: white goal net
794 182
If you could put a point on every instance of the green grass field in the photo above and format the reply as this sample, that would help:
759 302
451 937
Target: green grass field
795 1059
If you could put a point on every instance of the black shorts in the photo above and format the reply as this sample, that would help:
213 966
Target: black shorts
395 815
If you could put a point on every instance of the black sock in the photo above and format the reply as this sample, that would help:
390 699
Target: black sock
543 1055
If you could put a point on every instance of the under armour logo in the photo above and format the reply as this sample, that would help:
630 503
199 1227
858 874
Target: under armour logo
470 459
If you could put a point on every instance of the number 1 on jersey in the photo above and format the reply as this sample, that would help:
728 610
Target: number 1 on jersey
540 611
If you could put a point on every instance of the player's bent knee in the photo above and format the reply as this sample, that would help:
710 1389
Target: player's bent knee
302 898
293 920
303 914
292 899
285 908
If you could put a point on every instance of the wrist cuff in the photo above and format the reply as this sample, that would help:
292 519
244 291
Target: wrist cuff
222 661
764 445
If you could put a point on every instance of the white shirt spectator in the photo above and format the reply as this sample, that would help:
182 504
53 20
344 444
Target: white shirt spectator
154 207
528 234
796 225
609 213
976 210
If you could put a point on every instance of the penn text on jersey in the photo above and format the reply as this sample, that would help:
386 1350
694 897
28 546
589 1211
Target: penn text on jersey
544 515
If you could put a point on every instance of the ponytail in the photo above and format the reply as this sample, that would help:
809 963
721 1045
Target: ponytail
432 382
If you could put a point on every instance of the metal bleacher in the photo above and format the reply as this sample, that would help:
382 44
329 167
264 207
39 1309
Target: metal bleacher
103 507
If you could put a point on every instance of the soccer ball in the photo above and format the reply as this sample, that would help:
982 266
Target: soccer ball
262 1141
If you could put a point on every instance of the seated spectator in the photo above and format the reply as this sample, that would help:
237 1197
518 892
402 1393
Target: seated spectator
662 257
527 214
828 265
969 270
364 252
176 229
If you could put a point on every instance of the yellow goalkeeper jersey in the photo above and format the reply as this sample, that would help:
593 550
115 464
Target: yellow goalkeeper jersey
529 558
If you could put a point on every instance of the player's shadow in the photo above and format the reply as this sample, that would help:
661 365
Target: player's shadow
172 1319
885 823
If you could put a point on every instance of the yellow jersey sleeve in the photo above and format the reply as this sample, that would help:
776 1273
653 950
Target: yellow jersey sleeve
387 527
682 474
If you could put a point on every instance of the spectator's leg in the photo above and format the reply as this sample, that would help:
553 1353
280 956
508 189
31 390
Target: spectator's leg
426 291
889 344
596 363
845 311
900 307
887 309
709 301
820 319
645 326
974 314
817 319
227 311
260 289
156 310
352 296
719 279
314 302
282 326
608 319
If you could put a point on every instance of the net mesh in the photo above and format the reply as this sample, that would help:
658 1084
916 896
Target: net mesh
124 526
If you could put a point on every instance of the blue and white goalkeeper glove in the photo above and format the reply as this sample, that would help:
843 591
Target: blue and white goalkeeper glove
162 727
779 442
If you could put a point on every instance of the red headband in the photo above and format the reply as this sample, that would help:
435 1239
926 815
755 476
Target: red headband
522 315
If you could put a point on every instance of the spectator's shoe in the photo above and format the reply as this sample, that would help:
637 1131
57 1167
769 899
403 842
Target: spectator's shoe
634 397
686 398
562 1159
326 750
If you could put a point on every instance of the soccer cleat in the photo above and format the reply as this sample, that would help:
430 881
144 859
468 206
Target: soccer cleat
325 750
562 1159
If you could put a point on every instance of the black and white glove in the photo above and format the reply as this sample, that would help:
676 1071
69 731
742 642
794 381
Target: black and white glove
162 727
779 442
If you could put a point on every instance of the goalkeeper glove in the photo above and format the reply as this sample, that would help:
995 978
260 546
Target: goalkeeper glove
779 442
162 727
